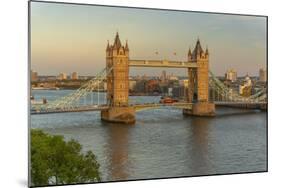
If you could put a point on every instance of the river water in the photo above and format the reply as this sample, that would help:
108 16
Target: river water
163 142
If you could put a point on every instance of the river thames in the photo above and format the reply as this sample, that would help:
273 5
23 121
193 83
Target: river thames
163 142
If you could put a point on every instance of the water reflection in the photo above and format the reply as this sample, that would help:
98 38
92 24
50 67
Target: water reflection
199 139
117 151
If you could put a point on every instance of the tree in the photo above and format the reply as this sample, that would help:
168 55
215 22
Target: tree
55 161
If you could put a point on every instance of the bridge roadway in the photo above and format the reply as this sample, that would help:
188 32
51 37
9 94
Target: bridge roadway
246 105
140 107
74 109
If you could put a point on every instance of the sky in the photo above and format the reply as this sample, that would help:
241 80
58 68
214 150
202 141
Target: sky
72 38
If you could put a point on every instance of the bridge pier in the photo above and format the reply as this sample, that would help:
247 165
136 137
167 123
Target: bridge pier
124 115
201 109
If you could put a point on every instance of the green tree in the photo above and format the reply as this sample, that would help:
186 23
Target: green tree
55 161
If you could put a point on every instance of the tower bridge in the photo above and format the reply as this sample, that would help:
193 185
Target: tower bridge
117 59
116 73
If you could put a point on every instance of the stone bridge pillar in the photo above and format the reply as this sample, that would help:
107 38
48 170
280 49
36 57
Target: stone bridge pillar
117 57
198 89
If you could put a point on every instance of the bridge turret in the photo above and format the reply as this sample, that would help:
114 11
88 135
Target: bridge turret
202 74
118 80
118 84
198 89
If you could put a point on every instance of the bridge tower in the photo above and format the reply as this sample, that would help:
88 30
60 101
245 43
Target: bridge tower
117 58
198 90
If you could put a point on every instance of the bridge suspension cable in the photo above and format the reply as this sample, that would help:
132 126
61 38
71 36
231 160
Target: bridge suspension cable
72 100
229 95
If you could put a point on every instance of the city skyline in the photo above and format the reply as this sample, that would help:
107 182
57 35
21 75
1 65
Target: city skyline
68 38
155 73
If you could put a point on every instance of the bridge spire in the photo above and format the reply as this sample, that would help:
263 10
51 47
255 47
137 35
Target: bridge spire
189 52
117 42
197 50
207 51
189 56
107 47
126 46
198 46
